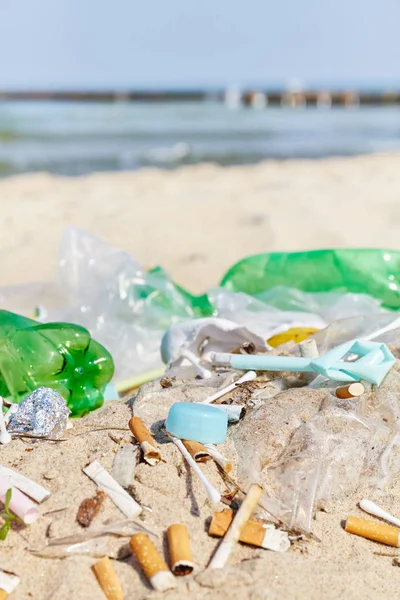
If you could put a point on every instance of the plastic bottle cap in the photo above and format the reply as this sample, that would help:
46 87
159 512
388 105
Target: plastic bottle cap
197 422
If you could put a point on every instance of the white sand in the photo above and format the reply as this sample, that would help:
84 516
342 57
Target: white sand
195 222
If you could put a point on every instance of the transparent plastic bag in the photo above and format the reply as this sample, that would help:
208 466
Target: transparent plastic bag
305 455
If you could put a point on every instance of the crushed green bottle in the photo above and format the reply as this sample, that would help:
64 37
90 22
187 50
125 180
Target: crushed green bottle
60 356
362 271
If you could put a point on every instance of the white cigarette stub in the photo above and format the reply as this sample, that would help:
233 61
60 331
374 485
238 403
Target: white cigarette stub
153 565
8 583
234 411
249 376
24 484
20 504
232 536
127 505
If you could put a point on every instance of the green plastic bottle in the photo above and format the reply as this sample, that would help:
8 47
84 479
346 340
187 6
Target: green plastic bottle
362 271
60 356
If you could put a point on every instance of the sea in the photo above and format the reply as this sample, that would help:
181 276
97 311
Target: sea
75 138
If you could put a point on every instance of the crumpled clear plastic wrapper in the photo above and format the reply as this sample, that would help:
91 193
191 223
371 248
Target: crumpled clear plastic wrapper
307 447
43 413
282 308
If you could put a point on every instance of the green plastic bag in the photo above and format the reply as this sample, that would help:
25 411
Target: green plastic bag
364 271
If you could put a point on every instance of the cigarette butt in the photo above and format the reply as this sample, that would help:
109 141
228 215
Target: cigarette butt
108 580
252 533
3 595
179 550
197 451
153 565
8 583
233 534
379 532
151 454
353 390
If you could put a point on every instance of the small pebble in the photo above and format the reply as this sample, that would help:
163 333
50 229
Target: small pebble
50 475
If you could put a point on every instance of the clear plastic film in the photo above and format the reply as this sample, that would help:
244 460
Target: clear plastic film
308 448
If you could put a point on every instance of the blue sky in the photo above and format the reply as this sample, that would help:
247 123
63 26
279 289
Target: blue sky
189 43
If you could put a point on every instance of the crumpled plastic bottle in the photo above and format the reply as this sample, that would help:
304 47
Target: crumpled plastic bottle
57 355
362 271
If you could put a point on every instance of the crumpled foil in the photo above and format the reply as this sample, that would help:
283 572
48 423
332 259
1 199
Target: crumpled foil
43 412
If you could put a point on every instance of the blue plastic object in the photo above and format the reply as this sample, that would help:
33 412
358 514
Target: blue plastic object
374 362
197 422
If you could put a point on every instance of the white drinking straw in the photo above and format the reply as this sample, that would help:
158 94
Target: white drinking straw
20 504
126 504
249 376
212 493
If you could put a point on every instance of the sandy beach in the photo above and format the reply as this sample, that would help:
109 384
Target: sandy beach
195 222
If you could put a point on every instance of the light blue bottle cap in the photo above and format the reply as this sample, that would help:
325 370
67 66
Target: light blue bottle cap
197 422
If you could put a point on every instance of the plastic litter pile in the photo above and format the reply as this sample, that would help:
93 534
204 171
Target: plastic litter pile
286 379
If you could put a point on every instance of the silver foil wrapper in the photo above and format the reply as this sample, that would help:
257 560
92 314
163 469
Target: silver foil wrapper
44 413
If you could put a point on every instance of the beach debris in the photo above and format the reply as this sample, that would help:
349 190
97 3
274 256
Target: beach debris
212 493
249 376
5 437
125 528
180 553
108 580
224 463
192 340
17 502
234 412
61 356
8 583
308 348
197 422
24 484
374 362
127 505
373 509
89 508
153 565
378 532
197 451
295 334
254 533
151 453
353 390
43 413
98 547
123 468
233 534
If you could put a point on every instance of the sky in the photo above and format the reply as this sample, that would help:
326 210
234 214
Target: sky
123 44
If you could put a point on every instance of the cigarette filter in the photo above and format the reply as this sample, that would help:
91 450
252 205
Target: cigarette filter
153 565
108 580
126 504
197 451
379 532
349 391
25 485
233 534
254 533
179 550
8 583
151 454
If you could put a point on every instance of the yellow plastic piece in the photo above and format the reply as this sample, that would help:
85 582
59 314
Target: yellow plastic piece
296 334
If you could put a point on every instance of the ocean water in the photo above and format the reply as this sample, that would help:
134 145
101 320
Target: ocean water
73 138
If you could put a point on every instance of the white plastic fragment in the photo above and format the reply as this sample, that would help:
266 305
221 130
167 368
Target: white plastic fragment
124 465
8 582
275 539
5 437
24 484
127 505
